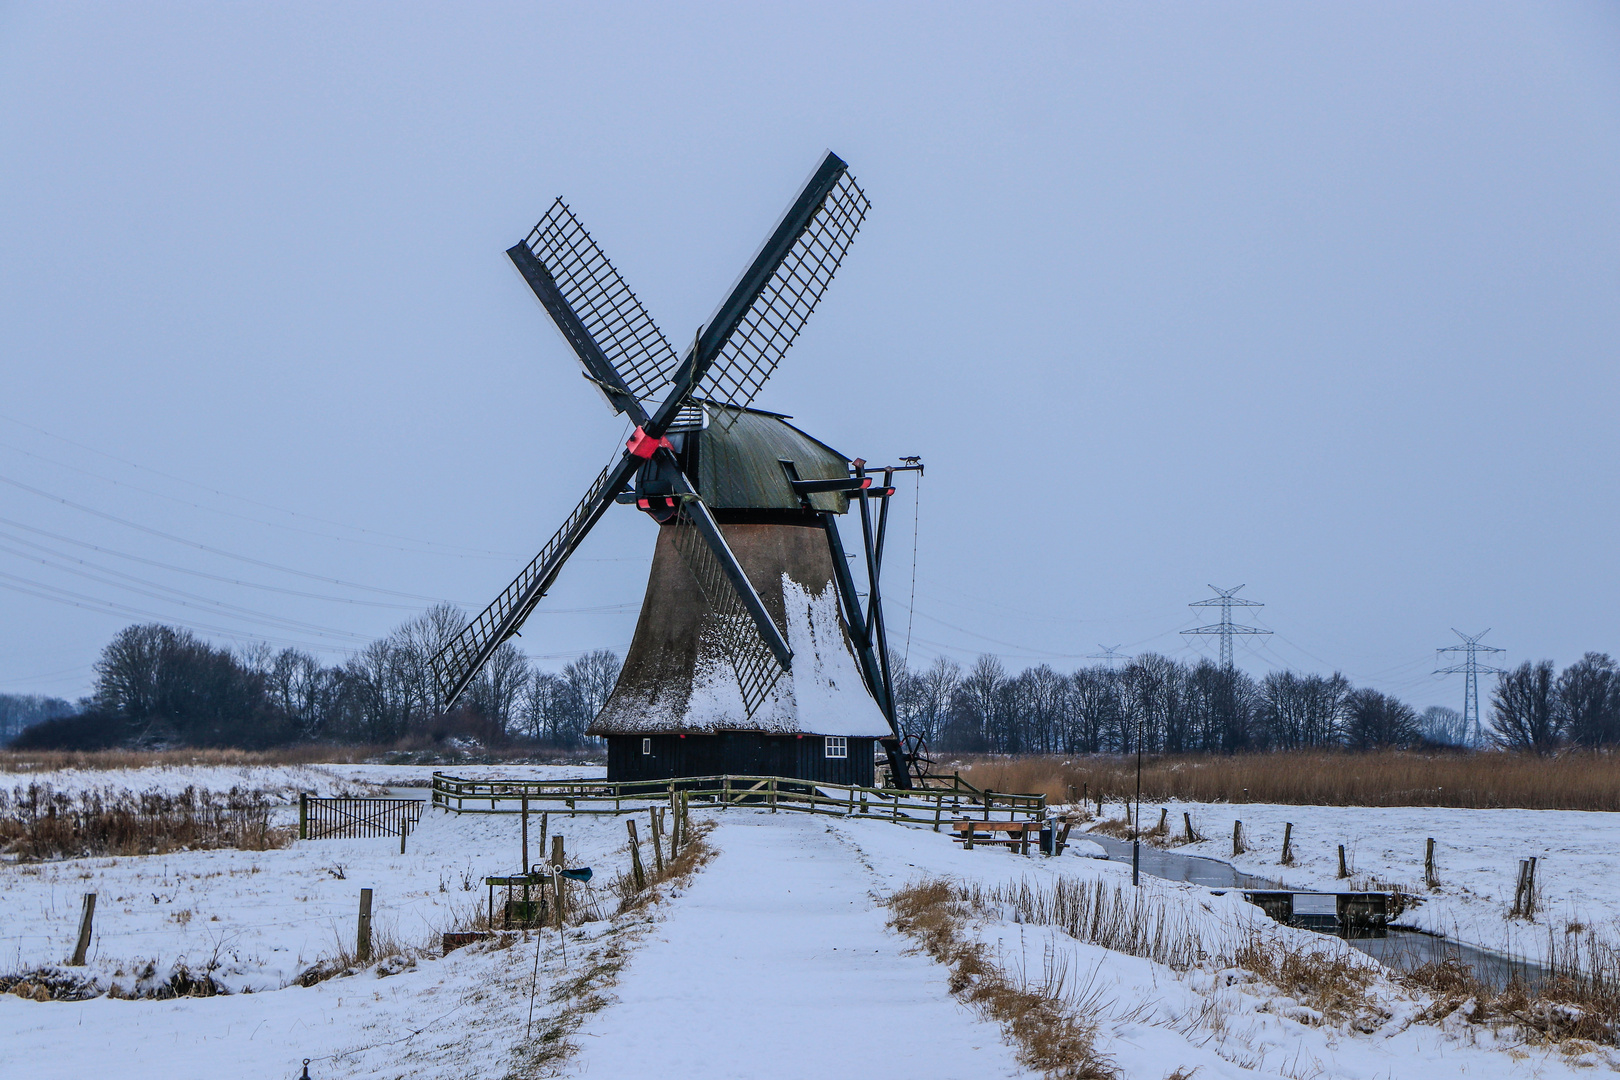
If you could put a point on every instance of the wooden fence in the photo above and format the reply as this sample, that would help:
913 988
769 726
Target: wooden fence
321 818
923 806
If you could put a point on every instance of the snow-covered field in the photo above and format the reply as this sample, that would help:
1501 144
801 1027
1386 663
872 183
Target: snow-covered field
778 955
1477 855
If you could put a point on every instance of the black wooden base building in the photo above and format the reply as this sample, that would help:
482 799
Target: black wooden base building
825 759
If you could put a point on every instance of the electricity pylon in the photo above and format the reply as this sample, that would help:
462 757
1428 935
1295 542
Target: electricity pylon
1226 601
1472 668
1109 653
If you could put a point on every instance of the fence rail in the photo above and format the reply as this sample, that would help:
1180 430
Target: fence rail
924 806
332 818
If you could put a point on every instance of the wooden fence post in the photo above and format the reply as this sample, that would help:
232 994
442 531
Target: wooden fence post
303 815
1530 888
1186 818
1288 842
1344 871
404 831
523 867
1237 838
1428 865
362 943
635 856
1518 891
544 824
657 839
1164 822
86 916
557 855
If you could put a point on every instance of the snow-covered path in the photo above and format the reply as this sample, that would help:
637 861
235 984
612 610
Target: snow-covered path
777 962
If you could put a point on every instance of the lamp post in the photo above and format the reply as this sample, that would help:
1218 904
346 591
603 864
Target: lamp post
1136 819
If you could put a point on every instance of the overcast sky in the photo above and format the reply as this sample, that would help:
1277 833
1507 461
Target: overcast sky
1320 299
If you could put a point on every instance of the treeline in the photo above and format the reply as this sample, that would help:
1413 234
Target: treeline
1162 704
1537 709
159 685
19 711
1176 708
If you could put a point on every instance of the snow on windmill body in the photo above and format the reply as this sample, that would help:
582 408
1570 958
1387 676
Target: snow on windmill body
752 654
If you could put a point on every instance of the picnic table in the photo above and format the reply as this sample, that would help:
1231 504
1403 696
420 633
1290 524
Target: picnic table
1012 834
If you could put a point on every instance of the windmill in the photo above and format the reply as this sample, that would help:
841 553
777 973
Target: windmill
749 564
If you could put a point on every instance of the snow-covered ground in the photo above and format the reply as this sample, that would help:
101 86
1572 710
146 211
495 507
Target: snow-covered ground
777 954
1477 855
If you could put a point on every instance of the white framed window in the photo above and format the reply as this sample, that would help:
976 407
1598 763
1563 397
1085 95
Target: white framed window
837 746
646 746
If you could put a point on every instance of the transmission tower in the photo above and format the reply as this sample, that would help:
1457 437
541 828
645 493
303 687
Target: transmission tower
1472 668
1109 653
1226 601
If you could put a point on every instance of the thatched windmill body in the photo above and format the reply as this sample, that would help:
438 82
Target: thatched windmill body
753 653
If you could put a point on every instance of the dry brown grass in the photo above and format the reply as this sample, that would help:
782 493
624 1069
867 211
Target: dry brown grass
1574 780
33 761
1334 983
1578 1002
694 853
38 822
1048 1032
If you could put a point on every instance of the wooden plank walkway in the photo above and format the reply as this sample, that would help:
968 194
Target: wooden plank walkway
778 963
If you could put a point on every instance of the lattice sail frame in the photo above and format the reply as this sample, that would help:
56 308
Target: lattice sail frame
751 660
610 311
470 649
775 318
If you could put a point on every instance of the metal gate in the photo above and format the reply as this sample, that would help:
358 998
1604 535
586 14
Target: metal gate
341 817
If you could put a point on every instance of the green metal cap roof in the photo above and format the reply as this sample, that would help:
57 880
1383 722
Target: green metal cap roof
739 462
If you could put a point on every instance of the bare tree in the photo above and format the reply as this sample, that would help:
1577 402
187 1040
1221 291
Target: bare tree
1377 720
498 690
1588 701
1523 704
1443 727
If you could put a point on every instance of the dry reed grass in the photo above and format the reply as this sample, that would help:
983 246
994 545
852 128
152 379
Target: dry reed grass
1573 780
38 822
1050 1033
1132 921
35 761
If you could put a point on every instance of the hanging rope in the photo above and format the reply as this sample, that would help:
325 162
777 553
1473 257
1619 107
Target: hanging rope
911 604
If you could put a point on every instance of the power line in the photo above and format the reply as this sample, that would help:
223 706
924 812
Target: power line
213 550
450 548
1226 628
1472 669
169 594
186 569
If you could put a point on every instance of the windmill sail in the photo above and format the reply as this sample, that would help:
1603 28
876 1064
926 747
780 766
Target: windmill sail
459 662
742 345
606 308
